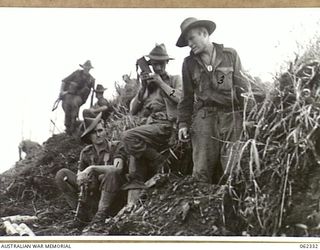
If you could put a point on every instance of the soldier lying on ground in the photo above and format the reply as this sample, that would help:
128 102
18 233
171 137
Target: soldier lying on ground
102 105
157 100
74 92
101 169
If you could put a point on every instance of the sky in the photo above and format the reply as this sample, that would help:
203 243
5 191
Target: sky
39 47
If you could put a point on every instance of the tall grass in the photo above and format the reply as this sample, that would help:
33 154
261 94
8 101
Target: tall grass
278 148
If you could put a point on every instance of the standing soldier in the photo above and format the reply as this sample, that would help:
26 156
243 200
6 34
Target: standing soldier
102 105
156 100
100 171
74 92
212 88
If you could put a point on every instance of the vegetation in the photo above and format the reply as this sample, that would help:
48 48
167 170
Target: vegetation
272 190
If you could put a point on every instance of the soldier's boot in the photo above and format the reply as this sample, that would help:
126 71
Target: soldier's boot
133 196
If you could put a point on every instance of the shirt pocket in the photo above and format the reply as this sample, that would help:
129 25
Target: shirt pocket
201 82
224 75
196 78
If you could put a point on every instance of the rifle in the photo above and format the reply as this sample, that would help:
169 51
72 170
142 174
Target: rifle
92 95
55 104
81 199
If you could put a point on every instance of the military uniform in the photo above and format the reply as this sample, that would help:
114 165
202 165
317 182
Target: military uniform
145 141
211 105
102 102
29 147
110 182
78 86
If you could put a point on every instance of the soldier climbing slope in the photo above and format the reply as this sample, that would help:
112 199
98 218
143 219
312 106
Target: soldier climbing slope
74 92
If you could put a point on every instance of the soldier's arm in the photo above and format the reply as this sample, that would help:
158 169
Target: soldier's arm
84 92
240 81
65 81
185 106
102 105
119 158
62 92
71 77
101 169
136 104
173 93
84 158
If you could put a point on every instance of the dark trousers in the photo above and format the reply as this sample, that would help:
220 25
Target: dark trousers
109 182
71 105
144 144
214 137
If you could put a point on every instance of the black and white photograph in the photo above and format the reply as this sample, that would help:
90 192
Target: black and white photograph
171 123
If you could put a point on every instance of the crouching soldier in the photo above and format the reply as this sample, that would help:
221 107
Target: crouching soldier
102 105
156 100
30 148
100 172
74 92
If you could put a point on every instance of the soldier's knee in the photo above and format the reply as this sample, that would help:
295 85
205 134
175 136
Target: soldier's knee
62 176
86 113
111 181
126 136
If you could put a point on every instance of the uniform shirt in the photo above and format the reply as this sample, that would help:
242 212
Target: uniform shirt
103 102
89 156
158 101
214 88
79 83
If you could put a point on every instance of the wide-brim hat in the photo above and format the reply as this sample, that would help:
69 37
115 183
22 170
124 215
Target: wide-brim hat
159 53
192 22
87 65
89 125
100 88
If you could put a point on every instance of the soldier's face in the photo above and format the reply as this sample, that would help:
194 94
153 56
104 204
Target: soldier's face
99 95
196 40
159 67
98 135
86 70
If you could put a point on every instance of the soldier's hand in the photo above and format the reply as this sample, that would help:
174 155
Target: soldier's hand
62 94
82 177
155 79
183 134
